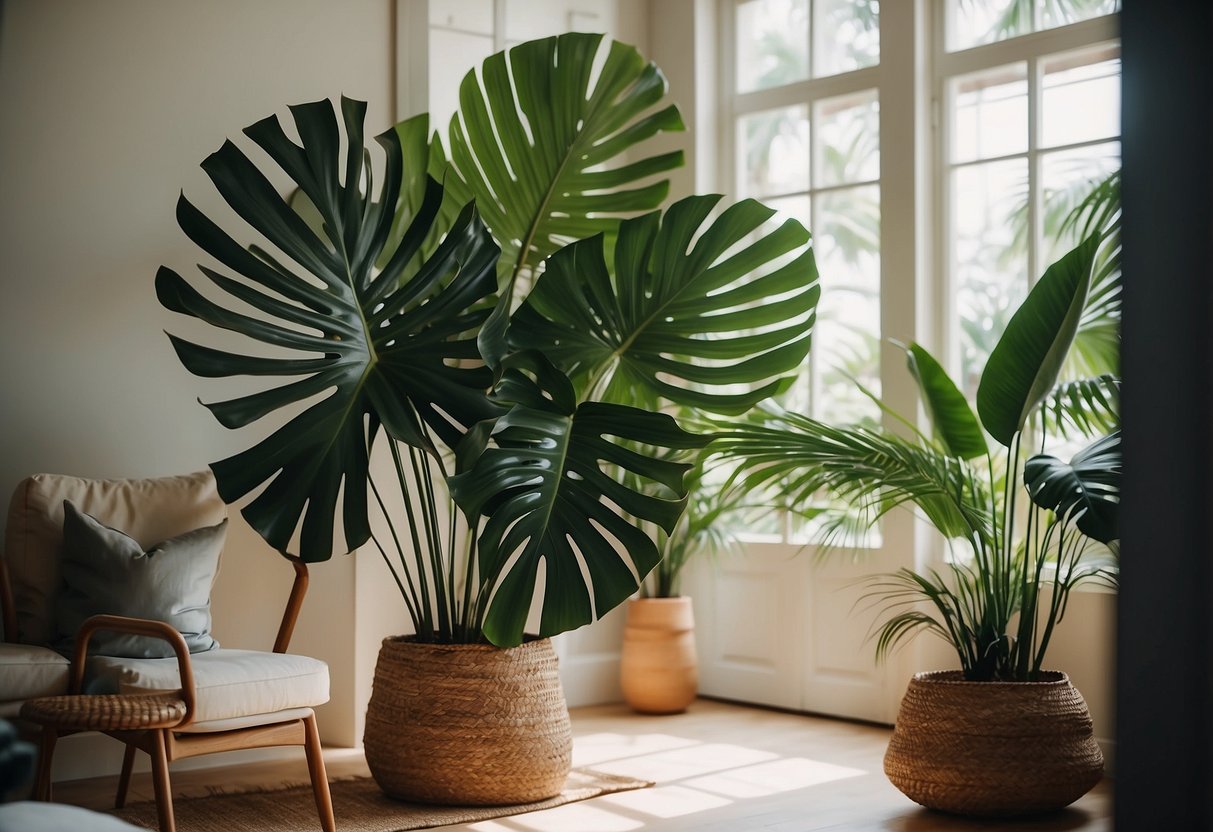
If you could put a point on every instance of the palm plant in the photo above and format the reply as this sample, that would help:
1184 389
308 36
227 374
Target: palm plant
1007 582
507 315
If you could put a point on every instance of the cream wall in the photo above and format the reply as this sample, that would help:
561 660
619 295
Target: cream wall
108 109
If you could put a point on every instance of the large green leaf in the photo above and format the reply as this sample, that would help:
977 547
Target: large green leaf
1087 487
547 482
691 311
1025 363
955 425
548 147
370 346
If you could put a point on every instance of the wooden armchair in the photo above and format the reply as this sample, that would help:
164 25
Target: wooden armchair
217 700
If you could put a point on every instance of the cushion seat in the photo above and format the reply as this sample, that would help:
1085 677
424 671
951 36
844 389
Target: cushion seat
27 672
228 683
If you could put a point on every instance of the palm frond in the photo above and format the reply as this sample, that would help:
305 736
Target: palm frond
1083 407
869 470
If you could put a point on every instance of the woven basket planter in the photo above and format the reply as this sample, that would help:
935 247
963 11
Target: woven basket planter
468 724
658 668
993 748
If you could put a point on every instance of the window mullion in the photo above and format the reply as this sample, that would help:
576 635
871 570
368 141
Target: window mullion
1035 197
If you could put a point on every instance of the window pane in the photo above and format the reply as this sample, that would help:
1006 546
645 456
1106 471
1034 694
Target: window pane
972 23
1067 177
798 208
468 51
471 16
989 250
774 152
848 140
989 114
846 35
772 43
1053 13
847 334
1080 97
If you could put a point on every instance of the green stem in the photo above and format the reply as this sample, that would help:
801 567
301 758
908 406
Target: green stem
404 594
416 601
427 631
429 513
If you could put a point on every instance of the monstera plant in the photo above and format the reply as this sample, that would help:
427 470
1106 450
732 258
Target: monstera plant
498 318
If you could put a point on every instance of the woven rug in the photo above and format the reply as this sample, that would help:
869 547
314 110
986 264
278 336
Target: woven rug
358 805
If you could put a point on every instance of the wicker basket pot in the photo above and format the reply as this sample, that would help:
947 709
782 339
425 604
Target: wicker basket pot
993 748
468 724
658 669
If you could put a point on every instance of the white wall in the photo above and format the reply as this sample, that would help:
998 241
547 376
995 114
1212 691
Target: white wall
108 109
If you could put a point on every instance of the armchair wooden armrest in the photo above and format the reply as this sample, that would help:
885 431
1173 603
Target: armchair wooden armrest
138 627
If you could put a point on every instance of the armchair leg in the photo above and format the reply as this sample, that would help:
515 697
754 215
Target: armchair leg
46 755
124 782
320 780
160 781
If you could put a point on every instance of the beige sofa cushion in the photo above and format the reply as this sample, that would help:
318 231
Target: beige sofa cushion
149 510
229 683
27 671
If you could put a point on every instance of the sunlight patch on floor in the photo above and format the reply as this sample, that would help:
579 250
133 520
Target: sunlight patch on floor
690 776
593 749
783 775
690 761
666 801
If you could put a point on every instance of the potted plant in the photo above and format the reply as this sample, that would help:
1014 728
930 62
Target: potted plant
482 344
659 667
1005 734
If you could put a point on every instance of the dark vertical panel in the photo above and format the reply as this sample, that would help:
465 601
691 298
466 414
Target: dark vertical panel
1165 619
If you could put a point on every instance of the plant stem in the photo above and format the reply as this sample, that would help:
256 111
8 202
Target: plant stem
426 633
429 513
414 607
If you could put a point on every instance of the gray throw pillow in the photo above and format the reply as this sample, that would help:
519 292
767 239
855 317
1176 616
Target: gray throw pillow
105 571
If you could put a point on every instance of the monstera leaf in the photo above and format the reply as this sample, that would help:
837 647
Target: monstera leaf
370 345
690 312
548 483
1087 487
540 138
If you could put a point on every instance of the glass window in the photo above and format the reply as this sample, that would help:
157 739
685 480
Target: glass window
972 23
774 147
773 39
990 264
846 35
772 43
1080 97
990 114
1009 190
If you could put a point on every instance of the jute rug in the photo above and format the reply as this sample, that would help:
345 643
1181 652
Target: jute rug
358 805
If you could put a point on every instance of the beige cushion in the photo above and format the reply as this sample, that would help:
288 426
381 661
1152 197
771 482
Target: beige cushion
228 683
149 510
27 672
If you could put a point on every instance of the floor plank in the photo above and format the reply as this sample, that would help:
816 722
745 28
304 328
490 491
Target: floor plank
717 767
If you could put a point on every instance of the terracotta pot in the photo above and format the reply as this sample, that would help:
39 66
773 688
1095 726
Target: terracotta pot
468 724
659 671
993 748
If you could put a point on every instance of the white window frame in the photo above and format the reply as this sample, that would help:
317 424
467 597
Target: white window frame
1031 49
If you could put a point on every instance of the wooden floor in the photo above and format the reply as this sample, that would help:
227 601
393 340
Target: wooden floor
717 767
